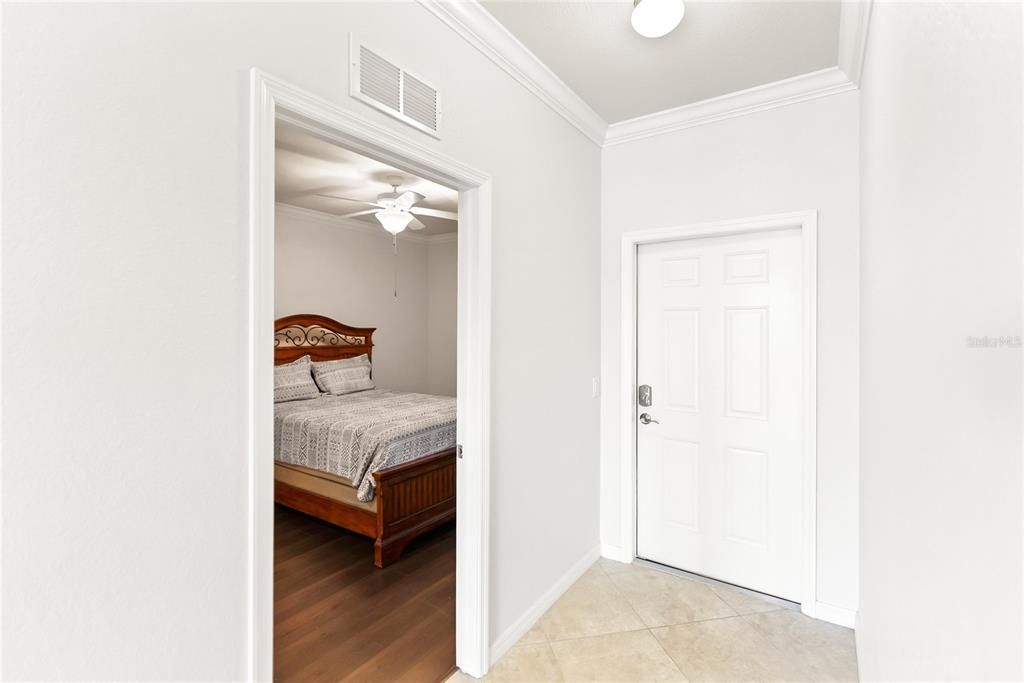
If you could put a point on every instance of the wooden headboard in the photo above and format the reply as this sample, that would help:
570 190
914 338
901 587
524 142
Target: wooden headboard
320 337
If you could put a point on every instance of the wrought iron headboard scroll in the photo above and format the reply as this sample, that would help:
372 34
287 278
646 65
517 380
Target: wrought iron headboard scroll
320 337
314 335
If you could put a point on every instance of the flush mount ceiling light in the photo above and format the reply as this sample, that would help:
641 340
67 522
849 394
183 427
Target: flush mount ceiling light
656 18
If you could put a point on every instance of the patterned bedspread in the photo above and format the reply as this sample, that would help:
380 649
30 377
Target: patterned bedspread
355 435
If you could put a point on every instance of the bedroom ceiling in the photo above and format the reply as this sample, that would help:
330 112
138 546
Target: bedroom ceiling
719 48
308 165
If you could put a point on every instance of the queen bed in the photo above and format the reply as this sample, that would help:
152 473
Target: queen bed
378 463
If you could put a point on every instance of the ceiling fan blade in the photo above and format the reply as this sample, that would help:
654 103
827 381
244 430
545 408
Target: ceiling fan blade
415 224
436 213
346 199
359 213
407 199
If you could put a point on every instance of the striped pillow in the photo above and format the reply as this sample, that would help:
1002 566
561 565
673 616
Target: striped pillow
343 376
293 381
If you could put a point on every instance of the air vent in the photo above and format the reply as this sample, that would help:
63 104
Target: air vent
380 80
384 86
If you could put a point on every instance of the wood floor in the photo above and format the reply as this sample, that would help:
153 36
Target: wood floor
339 618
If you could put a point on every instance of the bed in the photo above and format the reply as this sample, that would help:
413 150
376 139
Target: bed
393 491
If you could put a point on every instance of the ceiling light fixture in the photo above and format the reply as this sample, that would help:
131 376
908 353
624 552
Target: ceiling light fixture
394 219
656 18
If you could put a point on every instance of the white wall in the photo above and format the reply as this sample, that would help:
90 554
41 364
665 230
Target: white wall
125 162
442 316
346 271
941 422
802 156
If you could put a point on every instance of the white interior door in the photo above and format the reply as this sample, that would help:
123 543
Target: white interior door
719 473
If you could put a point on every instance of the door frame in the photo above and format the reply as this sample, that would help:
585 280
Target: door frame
807 223
272 99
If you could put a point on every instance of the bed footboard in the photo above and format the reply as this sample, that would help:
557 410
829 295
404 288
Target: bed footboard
411 499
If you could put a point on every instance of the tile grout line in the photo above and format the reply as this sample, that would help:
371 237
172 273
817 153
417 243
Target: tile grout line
600 635
712 583
668 654
751 617
709 586
651 628
623 595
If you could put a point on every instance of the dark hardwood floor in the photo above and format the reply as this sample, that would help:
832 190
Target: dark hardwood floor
339 618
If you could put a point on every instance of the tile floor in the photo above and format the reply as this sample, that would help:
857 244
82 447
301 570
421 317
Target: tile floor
626 622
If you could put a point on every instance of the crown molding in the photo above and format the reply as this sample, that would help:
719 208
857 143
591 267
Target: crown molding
360 226
480 29
830 81
854 17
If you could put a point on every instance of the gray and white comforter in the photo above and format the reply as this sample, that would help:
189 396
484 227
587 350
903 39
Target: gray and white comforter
354 435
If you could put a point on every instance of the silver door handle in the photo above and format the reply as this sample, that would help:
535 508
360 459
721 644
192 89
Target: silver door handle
647 419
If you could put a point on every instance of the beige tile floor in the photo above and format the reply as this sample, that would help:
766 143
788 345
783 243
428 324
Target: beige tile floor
626 622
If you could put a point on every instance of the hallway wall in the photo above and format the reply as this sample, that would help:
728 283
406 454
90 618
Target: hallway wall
941 417
126 314
792 158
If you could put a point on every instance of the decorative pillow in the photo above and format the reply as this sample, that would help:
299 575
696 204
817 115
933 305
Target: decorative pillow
343 376
293 381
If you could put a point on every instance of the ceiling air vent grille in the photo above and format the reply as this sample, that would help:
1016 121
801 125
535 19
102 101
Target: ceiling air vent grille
391 89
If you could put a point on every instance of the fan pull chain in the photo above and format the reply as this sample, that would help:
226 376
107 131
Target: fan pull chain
394 241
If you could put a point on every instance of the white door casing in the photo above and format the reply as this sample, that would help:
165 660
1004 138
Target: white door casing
272 99
719 474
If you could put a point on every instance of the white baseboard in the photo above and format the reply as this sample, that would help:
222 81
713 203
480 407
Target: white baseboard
835 615
526 621
614 552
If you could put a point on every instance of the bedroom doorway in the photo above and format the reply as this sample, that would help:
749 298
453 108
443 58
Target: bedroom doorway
365 359
330 382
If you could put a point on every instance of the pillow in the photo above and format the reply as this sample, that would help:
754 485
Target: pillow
343 376
293 381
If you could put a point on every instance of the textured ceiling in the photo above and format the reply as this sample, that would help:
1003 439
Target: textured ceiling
308 166
719 48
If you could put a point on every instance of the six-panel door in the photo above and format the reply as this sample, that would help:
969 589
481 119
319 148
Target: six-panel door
719 473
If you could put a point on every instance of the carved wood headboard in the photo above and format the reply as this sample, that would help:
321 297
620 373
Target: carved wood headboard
320 337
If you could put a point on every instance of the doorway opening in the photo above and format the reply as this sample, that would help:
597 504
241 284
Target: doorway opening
365 299
665 273
345 349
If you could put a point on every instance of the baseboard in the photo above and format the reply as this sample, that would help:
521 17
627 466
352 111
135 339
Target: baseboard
526 621
835 615
614 552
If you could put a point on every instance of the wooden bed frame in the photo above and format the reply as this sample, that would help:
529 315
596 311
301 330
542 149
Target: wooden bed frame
410 499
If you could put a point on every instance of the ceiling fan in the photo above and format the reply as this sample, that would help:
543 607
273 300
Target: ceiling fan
395 209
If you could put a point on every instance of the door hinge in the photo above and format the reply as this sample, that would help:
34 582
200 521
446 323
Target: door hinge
458 451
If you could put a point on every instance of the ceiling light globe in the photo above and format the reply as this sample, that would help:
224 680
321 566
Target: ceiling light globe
394 220
656 18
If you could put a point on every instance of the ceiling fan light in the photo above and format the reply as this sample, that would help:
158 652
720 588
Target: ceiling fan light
394 220
656 18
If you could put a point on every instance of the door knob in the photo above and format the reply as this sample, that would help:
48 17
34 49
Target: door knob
647 419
